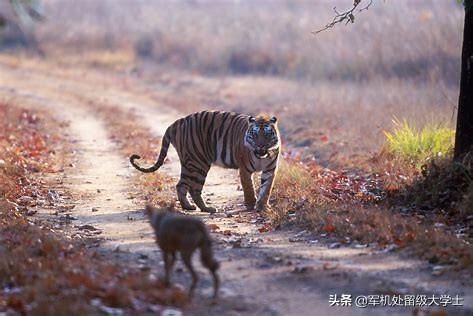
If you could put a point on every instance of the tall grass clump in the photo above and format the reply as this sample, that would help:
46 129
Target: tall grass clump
418 145
292 188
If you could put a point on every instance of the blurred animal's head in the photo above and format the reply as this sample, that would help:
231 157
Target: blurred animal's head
155 215
262 135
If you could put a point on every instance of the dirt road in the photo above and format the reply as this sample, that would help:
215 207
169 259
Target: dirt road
283 272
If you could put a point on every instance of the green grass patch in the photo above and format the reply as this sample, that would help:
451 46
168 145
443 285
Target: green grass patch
419 145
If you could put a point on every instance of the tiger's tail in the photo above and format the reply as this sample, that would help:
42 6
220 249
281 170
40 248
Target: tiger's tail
166 141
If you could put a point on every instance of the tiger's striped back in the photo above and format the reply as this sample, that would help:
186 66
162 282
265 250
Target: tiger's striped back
210 137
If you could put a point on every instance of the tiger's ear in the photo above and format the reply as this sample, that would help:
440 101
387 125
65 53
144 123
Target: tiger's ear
251 119
273 120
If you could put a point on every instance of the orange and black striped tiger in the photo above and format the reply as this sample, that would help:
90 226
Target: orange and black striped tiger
227 139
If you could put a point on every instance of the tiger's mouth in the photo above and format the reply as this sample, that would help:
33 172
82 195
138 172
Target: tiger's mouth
261 153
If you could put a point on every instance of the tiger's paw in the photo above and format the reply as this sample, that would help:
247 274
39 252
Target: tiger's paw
209 209
261 206
189 207
250 207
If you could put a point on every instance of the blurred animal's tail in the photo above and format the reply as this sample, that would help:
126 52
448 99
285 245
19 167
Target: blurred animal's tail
206 255
166 141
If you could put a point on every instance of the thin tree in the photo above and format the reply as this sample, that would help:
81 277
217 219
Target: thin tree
464 132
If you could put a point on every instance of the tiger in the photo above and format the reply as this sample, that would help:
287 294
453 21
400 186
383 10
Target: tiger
226 139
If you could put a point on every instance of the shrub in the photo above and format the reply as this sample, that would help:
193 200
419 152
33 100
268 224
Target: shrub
442 185
344 205
467 204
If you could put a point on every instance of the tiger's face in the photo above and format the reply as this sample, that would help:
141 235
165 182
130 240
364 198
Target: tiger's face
262 136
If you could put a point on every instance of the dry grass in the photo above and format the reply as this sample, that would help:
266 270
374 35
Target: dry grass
441 186
334 93
345 206
42 272
340 124
111 60
266 37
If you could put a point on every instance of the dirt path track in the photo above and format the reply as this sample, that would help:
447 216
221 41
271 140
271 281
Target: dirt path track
262 273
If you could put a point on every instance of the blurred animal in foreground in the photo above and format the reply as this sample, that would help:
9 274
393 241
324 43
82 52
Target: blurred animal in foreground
226 139
184 234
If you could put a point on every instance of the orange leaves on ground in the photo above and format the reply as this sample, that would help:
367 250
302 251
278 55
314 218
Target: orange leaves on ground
23 148
40 271
340 185
405 238
329 228
16 303
35 145
213 227
265 228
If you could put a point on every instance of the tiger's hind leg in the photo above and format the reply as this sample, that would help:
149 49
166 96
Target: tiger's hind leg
182 189
196 179
197 197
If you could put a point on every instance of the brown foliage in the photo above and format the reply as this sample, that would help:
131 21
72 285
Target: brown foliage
350 207
41 271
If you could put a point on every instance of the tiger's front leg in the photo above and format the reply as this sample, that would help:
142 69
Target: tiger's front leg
248 189
267 181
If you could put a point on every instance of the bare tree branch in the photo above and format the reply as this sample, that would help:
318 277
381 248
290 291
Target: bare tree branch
367 6
346 16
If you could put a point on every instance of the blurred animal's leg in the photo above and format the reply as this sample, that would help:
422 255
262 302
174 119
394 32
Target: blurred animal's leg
216 283
167 269
187 258
173 260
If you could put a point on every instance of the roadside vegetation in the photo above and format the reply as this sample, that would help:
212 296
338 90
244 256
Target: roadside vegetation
43 271
281 46
427 213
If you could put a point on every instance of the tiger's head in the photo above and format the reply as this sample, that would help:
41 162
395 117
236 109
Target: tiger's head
262 135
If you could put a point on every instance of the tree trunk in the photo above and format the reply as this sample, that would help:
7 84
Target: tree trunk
464 133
